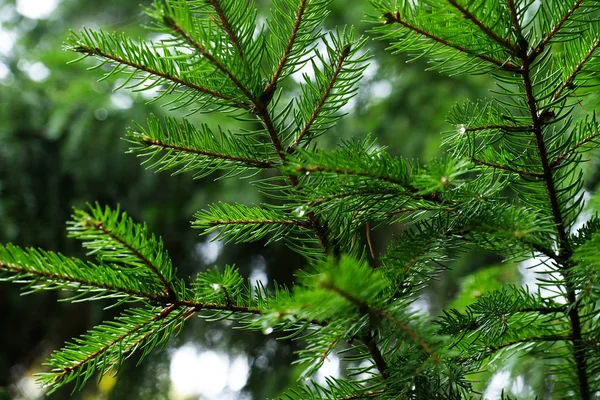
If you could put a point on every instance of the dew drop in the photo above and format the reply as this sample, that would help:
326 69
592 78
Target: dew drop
267 331
460 128
300 211
307 173
215 286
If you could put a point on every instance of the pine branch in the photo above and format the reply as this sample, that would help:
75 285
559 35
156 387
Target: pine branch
530 339
137 329
561 157
231 34
506 128
486 30
86 48
272 85
396 18
507 168
544 42
127 243
325 95
565 250
204 53
43 270
568 83
365 309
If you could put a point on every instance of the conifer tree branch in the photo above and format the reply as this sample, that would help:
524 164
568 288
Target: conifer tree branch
337 196
67 370
380 362
396 18
366 309
228 157
412 191
542 45
507 168
364 395
231 34
506 128
50 276
568 83
265 116
564 246
326 92
561 157
545 338
485 29
171 293
204 53
272 85
300 224
176 80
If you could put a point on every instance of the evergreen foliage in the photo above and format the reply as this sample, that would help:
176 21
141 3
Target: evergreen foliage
511 182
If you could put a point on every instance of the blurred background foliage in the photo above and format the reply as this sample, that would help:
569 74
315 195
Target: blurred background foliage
60 146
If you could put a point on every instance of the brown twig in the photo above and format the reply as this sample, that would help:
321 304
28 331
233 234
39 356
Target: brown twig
482 27
317 110
542 45
244 160
505 65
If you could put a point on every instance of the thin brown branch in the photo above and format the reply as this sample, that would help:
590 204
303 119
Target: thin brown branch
564 246
483 28
506 128
176 80
507 168
546 338
370 242
522 44
568 83
365 309
364 395
375 354
270 88
244 160
412 191
172 294
504 65
204 53
343 195
63 278
116 342
300 224
559 159
231 34
544 310
260 108
338 69
542 45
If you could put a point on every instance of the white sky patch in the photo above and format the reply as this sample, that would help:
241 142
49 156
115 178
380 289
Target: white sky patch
29 388
209 250
7 41
420 305
4 71
36 9
258 272
530 269
239 370
381 89
198 372
371 70
498 382
307 69
330 368
38 72
121 101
